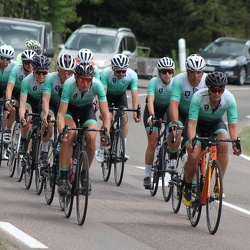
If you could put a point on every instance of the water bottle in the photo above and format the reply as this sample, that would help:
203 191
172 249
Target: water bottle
73 169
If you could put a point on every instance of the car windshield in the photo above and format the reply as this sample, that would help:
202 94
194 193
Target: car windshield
16 35
226 47
95 42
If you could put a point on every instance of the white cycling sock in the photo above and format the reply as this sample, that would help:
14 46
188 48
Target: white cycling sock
148 170
45 146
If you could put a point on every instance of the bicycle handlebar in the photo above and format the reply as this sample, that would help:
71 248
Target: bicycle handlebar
121 109
212 140
160 121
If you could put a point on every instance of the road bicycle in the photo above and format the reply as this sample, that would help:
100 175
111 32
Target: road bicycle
1 129
79 174
209 188
29 162
115 153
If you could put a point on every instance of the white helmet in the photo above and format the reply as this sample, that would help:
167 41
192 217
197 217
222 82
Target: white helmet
195 62
66 62
85 55
120 61
7 51
28 55
165 63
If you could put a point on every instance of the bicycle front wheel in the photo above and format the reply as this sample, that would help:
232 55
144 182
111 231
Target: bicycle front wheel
82 187
50 174
39 180
21 162
154 179
106 165
214 201
28 171
166 177
119 159
177 182
1 138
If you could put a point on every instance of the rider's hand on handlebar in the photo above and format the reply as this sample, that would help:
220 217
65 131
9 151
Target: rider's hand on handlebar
9 104
63 137
150 120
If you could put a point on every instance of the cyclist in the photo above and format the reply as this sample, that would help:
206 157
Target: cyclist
184 86
157 102
13 90
206 110
116 80
31 94
87 56
51 96
77 96
28 45
6 64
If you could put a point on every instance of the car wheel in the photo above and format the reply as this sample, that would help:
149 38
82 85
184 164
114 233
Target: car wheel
242 76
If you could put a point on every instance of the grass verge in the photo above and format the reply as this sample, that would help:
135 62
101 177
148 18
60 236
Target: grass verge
245 140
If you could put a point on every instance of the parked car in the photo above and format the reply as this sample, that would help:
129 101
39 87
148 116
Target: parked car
104 42
229 55
16 31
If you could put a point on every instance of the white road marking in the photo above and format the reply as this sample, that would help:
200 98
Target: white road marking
21 236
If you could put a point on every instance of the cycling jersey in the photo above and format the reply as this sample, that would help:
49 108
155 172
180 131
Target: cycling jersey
117 86
182 91
201 110
52 85
31 87
71 93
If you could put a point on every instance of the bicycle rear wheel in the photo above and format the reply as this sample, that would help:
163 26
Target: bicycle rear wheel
106 165
50 175
39 180
21 162
82 188
177 182
166 177
28 171
194 211
68 200
119 159
154 177
214 202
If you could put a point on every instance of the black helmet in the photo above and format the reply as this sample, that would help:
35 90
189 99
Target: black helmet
84 69
36 48
41 62
216 80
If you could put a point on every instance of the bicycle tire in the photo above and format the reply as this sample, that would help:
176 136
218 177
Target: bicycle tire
154 179
39 180
214 202
106 165
194 211
20 167
1 139
69 199
50 176
166 177
14 146
177 182
28 172
119 159
82 187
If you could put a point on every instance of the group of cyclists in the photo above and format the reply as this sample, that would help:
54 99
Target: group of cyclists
72 93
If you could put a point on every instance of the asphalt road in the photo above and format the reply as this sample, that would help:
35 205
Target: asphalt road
127 217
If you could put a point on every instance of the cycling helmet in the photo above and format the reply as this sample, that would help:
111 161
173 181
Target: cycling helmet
195 62
84 69
165 63
216 80
36 48
31 42
120 61
65 61
85 55
41 62
28 55
7 51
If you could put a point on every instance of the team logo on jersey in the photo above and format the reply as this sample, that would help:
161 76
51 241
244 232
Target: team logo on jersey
114 80
34 88
57 87
160 90
20 78
187 94
75 96
206 107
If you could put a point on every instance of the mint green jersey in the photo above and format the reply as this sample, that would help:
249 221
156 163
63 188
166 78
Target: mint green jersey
16 76
4 75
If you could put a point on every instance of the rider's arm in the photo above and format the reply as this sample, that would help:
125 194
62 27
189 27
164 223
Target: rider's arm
173 111
105 115
150 104
45 103
9 89
22 107
191 130
61 116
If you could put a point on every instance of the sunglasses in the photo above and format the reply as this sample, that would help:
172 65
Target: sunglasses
165 71
120 71
27 62
215 90
65 72
5 58
82 80
44 73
